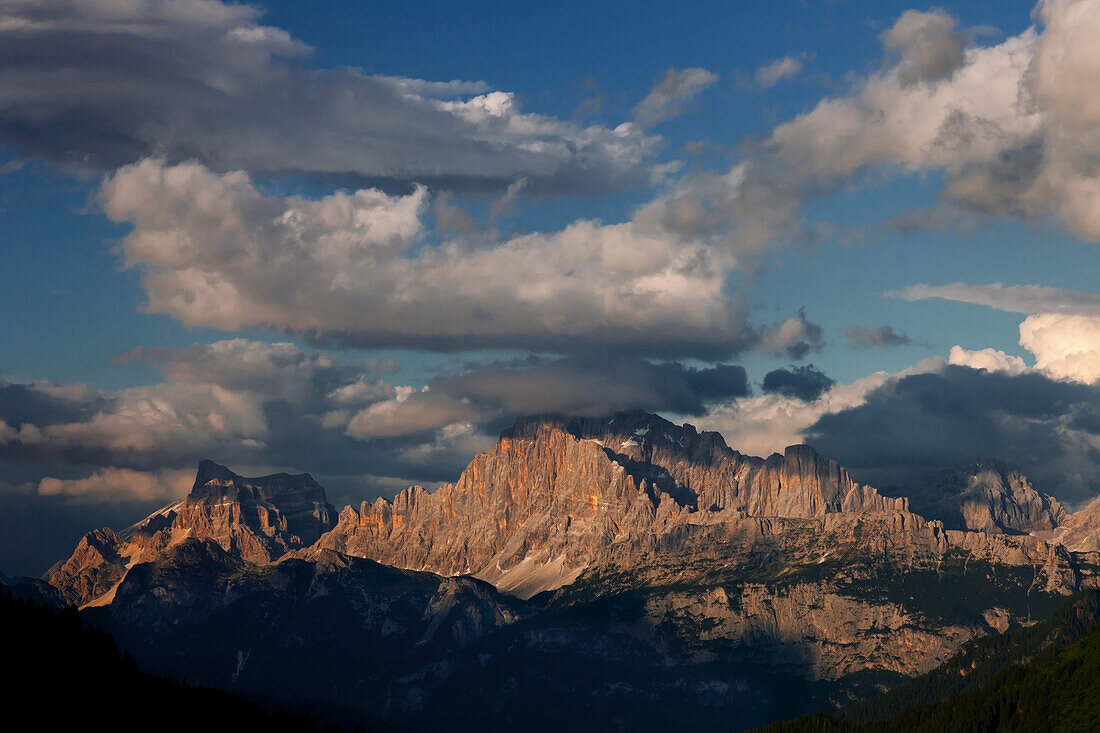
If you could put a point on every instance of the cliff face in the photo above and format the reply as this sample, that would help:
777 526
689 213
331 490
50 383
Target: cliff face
255 519
554 497
1080 531
986 497
705 473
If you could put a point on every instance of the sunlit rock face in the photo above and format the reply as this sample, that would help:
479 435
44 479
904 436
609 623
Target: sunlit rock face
254 519
556 496
1080 532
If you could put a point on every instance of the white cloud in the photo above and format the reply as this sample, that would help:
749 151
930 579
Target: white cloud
769 75
1012 298
214 250
668 98
991 360
1065 346
1012 126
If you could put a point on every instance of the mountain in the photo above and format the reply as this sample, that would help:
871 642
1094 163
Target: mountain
333 629
1042 677
1080 531
988 497
627 570
555 497
256 519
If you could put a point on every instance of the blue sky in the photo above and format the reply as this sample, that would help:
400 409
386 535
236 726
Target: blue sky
257 233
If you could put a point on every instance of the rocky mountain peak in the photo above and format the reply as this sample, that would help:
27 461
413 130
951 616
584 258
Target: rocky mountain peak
987 496
254 519
557 494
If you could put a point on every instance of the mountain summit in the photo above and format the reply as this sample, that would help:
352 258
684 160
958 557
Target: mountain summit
255 519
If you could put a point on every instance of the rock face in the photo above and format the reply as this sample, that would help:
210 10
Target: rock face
255 519
987 497
554 497
1080 531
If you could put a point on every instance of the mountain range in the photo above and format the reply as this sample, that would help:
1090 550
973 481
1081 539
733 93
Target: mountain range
622 573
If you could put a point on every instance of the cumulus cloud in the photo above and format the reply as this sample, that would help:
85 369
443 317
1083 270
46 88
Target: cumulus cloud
668 98
244 403
990 360
1009 126
860 337
805 383
355 267
930 47
1065 346
795 337
769 75
96 85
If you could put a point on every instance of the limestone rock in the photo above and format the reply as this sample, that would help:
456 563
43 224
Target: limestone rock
254 519
990 498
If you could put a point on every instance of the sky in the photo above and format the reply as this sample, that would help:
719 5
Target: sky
359 239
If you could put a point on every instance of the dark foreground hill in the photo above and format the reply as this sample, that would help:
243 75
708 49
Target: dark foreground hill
62 674
1040 678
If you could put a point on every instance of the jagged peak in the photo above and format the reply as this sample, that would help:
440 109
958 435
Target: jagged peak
214 481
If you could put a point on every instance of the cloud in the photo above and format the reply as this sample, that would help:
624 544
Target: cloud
770 422
1065 346
769 75
244 403
1063 332
115 484
97 85
795 337
990 360
805 383
930 48
860 337
1011 298
505 203
595 385
912 426
668 98
1009 126
358 268
411 414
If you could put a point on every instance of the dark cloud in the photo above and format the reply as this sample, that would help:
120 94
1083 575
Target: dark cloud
805 383
864 338
595 385
98 85
914 426
795 337
45 404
